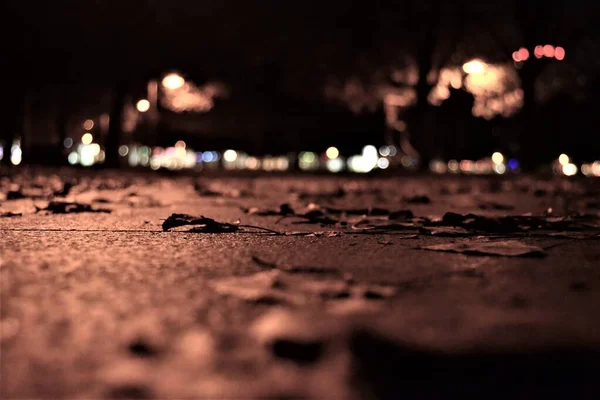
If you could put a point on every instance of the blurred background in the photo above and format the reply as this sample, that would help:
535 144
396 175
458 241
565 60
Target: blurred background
488 87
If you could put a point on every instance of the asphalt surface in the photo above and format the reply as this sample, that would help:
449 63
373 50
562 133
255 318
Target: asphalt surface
110 305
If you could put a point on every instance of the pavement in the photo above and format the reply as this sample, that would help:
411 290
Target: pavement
109 305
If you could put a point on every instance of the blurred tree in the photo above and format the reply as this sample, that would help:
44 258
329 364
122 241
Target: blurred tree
568 24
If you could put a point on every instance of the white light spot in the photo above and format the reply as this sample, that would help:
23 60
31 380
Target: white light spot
383 163
230 155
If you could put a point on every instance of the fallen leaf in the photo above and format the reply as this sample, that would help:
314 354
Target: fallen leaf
207 225
15 195
445 231
10 215
203 224
508 248
66 207
64 192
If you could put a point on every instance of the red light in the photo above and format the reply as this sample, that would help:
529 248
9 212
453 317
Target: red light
523 54
538 51
549 50
559 53
515 56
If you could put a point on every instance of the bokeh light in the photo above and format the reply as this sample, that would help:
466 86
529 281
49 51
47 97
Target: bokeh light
332 153
143 105
87 138
88 125
173 81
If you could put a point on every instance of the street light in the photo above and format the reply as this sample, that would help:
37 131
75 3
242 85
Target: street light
143 105
474 67
173 81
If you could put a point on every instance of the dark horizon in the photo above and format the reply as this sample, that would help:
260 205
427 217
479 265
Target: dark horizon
323 63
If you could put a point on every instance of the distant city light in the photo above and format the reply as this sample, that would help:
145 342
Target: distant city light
335 165
499 168
521 55
73 158
95 149
332 153
559 53
87 156
513 164
123 150
549 51
438 166
370 158
252 163
173 81
586 169
563 159
143 105
88 125
384 151
230 155
180 144
1 152
383 163
207 156
538 51
68 142
87 138
453 166
474 67
497 158
307 160
569 169
16 153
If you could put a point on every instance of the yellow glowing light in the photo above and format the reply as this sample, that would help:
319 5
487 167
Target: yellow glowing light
16 155
332 153
230 155
95 148
143 105
88 125
252 163
87 138
563 159
569 169
586 169
173 81
497 158
474 67
453 165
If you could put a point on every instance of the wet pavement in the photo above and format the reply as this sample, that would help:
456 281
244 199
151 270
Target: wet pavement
354 288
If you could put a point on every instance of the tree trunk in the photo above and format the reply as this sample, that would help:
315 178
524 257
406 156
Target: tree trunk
61 126
420 117
531 132
113 139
